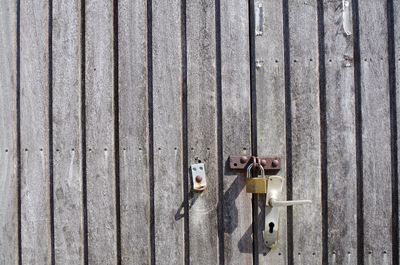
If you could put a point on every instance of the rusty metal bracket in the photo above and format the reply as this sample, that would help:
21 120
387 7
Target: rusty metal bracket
242 162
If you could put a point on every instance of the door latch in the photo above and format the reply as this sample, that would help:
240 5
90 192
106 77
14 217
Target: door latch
199 177
274 192
271 185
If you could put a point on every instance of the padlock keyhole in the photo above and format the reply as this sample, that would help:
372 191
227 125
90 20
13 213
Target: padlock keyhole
271 227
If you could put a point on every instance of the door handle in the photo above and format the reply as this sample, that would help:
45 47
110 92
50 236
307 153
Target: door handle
276 203
274 191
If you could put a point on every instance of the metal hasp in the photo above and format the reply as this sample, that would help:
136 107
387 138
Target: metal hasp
242 162
199 177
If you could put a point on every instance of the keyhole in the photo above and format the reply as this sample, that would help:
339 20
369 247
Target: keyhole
271 227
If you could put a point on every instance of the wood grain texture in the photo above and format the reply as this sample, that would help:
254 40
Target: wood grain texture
100 133
305 120
271 111
8 132
236 128
375 132
67 168
397 65
133 130
167 120
35 193
202 120
202 129
341 139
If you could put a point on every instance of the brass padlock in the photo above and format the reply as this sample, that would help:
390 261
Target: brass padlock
258 184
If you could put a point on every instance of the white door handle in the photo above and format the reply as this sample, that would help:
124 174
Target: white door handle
274 192
275 203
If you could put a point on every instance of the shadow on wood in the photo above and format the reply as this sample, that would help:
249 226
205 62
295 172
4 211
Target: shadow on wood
193 196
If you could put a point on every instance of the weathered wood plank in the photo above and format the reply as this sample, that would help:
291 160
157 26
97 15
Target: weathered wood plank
68 205
202 129
100 133
305 120
375 132
396 11
167 120
133 122
236 128
35 193
270 84
341 139
8 132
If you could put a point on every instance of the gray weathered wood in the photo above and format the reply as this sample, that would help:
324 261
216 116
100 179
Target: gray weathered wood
100 133
35 194
271 110
397 65
133 130
235 74
8 159
167 121
305 120
68 210
202 129
341 139
375 132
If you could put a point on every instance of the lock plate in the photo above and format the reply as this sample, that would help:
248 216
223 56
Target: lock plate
256 185
274 187
274 190
271 226
199 177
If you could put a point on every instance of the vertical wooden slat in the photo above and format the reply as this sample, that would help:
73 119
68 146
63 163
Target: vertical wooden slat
133 122
305 120
100 133
396 10
35 194
391 7
341 139
375 132
236 129
68 206
167 120
202 129
8 132
271 107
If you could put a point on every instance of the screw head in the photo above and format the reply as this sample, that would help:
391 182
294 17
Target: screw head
243 159
264 162
199 178
275 162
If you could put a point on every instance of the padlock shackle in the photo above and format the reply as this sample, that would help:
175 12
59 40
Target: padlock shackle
251 166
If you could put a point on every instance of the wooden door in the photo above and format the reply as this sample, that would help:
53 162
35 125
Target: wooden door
105 105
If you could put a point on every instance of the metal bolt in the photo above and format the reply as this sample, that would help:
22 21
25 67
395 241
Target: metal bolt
275 163
243 159
199 178
264 162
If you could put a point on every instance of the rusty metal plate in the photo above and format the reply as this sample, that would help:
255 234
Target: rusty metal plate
268 163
